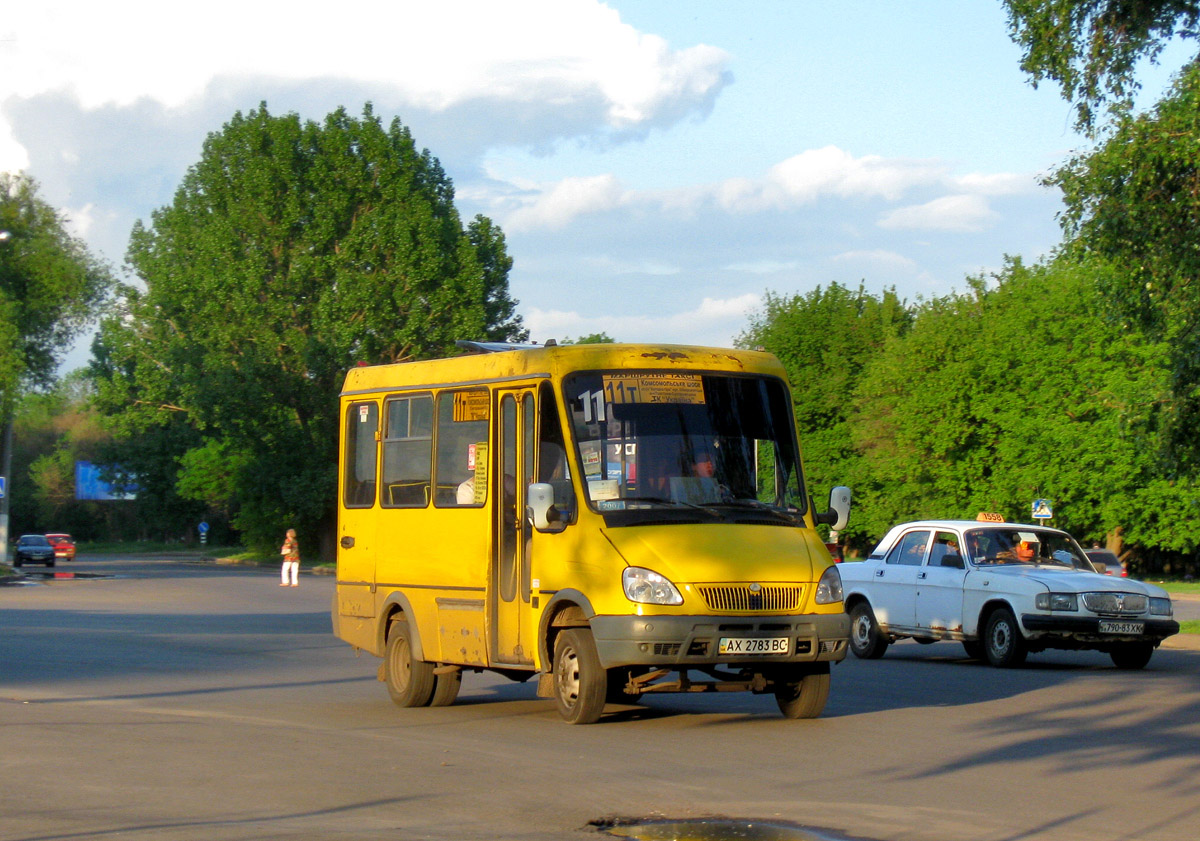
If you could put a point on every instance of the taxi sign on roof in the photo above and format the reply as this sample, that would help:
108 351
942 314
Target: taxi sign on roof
989 517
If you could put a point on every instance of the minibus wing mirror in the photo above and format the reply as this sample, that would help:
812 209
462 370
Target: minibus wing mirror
838 515
542 512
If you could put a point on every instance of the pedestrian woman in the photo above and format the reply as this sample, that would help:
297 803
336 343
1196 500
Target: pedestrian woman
291 560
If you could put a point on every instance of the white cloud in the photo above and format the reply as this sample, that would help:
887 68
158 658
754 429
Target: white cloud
830 171
801 180
715 322
556 207
764 267
13 157
997 184
435 55
878 257
962 213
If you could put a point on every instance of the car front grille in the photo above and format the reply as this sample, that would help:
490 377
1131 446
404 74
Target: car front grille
1116 604
752 598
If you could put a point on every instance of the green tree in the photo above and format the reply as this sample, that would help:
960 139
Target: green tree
1016 390
1135 203
825 339
292 251
589 339
1092 48
50 286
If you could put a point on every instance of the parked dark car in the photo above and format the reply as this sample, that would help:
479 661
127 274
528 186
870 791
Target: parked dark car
33 549
1112 564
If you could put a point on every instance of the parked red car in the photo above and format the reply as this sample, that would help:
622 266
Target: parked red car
64 546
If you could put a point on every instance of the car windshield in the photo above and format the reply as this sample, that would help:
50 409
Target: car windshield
33 540
721 447
1024 545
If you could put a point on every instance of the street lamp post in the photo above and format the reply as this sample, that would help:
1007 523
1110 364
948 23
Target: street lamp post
6 463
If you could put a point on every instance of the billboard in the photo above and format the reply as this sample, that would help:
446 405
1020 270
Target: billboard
89 485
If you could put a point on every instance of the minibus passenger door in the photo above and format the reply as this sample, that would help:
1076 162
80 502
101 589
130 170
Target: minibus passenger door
509 595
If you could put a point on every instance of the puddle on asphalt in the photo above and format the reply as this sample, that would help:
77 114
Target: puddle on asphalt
708 829
43 577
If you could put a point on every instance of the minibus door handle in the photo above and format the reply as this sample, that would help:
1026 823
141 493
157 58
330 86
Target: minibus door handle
347 542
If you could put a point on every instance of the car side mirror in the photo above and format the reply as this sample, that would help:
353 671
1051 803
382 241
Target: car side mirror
838 514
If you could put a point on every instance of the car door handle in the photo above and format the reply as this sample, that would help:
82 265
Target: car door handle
921 574
879 573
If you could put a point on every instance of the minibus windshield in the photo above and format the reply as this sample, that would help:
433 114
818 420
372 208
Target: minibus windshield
717 445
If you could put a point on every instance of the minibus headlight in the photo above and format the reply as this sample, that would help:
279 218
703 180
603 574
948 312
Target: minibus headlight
648 587
829 588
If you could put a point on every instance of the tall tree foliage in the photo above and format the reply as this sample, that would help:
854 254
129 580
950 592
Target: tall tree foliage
826 339
292 251
1092 48
1135 202
1016 390
50 285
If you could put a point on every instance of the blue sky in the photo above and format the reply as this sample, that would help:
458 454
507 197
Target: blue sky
656 167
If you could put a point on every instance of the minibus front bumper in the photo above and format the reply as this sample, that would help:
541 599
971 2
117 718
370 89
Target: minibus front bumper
694 641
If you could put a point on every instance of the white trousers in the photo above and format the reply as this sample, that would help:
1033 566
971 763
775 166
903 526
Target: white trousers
292 569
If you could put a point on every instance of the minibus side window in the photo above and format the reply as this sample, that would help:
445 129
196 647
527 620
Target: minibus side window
462 435
358 482
408 451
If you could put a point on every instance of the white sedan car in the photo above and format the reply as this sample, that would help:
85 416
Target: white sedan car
1002 590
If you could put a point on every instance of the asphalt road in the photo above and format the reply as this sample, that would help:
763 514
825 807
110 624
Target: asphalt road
188 701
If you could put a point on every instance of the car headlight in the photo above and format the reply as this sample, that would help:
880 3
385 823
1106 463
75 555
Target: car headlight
648 587
1160 607
1056 601
829 588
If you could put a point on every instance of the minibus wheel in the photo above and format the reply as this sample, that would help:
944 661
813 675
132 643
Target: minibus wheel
445 688
803 696
580 682
409 681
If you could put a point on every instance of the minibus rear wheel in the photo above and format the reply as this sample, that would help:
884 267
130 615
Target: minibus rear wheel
580 682
409 681
803 696
446 686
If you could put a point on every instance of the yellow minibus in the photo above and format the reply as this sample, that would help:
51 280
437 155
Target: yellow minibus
614 519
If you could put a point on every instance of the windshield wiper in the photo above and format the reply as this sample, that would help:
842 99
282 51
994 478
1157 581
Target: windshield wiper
673 502
759 505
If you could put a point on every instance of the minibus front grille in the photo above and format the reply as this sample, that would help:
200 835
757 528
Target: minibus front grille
752 598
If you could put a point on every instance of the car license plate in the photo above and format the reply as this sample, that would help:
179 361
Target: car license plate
754 645
1107 626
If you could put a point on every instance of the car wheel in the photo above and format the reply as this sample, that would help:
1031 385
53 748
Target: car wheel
17 563
1132 655
409 681
580 682
806 697
974 649
866 641
49 563
1002 640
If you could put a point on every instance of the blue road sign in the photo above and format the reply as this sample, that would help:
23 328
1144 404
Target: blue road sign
203 528
1042 510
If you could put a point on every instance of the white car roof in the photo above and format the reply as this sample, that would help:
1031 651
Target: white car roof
957 525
